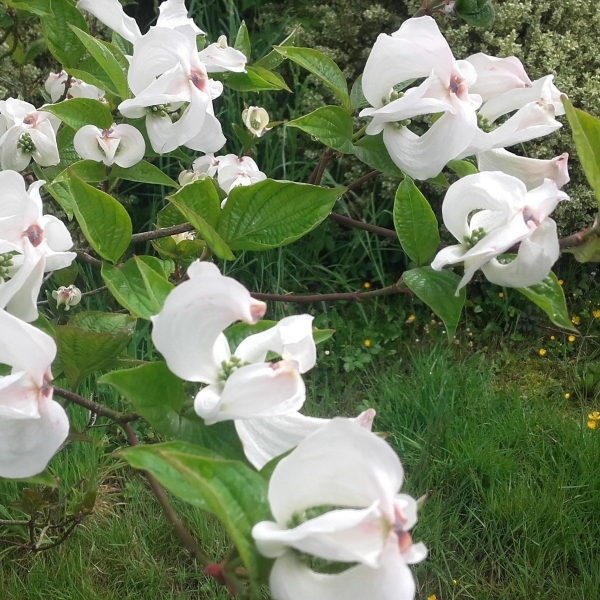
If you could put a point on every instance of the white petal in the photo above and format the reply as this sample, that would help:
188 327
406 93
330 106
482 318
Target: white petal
56 234
210 138
415 50
46 149
424 157
255 391
291 579
219 59
534 259
12 158
25 348
131 146
531 171
362 469
542 200
194 315
291 339
174 15
448 256
111 13
345 535
27 445
86 144
18 397
496 76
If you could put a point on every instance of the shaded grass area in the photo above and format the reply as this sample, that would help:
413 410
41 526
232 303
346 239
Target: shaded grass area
508 465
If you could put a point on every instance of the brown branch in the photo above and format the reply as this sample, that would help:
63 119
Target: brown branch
390 233
363 179
577 239
85 257
319 170
136 238
182 533
96 408
358 296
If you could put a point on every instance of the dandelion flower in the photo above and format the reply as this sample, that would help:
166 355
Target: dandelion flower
411 318
366 285
575 320
542 351
560 282
367 343
596 314
552 337
567 396
500 294
571 338
592 424
594 416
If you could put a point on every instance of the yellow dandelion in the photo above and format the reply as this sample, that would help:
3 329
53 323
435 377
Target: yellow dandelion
560 282
366 285
592 424
552 337
411 318
432 597
454 582
594 416
500 294
542 351
596 314
575 320
567 396
571 338
367 343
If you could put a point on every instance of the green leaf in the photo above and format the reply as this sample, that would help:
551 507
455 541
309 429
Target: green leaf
143 172
89 171
103 220
78 112
587 252
63 44
67 275
232 491
462 167
44 478
479 13
105 57
101 322
357 98
415 223
242 40
159 397
550 297
269 214
320 65
82 353
140 285
274 59
331 125
37 7
437 289
256 79
586 135
372 151
91 72
199 203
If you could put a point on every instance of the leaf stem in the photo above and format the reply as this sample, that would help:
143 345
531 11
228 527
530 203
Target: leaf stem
94 407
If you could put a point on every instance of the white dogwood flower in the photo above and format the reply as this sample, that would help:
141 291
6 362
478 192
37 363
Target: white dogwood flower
67 296
234 171
256 120
119 144
507 214
56 82
335 497
32 425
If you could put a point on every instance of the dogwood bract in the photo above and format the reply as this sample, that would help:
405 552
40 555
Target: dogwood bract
119 144
32 425
507 214
335 497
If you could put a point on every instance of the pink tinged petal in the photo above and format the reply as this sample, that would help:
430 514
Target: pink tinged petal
542 90
18 209
174 15
220 58
424 157
206 165
531 171
415 50
362 469
492 191
259 391
111 13
25 348
18 397
86 143
291 579
19 295
210 138
291 338
496 76
131 147
534 259
27 445
80 89
345 535
193 317
430 97
542 201
55 85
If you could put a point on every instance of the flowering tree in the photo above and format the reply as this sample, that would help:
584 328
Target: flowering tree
311 505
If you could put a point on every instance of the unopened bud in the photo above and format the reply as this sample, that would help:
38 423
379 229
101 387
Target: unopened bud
256 120
67 296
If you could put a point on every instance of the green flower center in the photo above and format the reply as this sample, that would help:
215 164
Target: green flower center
25 144
159 110
6 262
476 236
229 366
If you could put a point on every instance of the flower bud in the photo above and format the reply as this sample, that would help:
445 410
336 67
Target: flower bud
256 120
67 296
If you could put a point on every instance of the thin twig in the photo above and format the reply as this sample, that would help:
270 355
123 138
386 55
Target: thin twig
390 233
363 179
319 170
358 296
94 407
85 257
182 533
136 238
